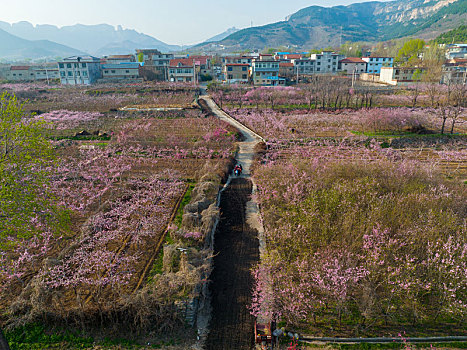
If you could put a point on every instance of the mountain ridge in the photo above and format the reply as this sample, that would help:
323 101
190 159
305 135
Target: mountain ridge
88 38
316 27
15 48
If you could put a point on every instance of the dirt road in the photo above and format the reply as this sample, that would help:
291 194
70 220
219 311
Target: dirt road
237 249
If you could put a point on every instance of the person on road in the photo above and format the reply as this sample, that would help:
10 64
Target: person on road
238 170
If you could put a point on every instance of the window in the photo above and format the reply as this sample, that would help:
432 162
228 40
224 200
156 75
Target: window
244 69
244 76
106 71
61 65
127 71
229 69
318 69
83 65
70 74
230 76
85 74
62 74
68 65
113 71
257 74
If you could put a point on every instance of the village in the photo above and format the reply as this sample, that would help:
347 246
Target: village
258 69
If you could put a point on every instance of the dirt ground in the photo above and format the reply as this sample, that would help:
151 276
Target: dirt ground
237 249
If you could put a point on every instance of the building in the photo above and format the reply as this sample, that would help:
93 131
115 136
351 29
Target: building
265 72
456 51
155 64
305 66
237 59
121 71
80 70
236 72
286 70
400 75
29 73
116 59
455 72
352 65
326 62
204 63
183 70
19 73
374 64
46 73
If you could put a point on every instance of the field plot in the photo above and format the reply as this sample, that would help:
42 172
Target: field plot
364 215
120 177
43 98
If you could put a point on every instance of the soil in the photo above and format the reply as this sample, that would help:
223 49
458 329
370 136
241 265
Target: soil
237 252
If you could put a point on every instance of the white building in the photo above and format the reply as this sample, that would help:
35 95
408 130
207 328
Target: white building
352 65
326 62
374 64
80 70
400 75
120 71
305 66
265 72
456 51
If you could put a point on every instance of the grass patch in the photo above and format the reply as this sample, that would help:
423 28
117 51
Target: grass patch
35 336
158 266
186 199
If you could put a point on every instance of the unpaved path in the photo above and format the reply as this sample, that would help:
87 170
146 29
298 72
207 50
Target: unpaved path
236 246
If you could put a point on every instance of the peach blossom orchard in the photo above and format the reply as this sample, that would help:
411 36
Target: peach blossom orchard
363 209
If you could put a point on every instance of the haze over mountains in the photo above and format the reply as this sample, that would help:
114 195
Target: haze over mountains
15 48
309 28
101 39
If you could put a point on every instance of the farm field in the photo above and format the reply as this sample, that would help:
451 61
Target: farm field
120 180
362 197
364 213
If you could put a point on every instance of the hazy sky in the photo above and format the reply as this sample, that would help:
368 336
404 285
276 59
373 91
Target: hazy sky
172 21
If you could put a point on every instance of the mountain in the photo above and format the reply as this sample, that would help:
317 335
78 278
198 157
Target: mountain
455 36
319 27
223 35
15 48
94 39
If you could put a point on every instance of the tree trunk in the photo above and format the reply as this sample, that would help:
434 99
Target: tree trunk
3 343
444 124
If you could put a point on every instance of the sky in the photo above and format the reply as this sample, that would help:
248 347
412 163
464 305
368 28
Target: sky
181 22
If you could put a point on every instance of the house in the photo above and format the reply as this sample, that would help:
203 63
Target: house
265 72
326 62
183 70
374 64
204 63
80 70
456 51
46 73
286 70
400 75
237 59
155 64
455 72
20 73
29 73
236 72
352 65
305 66
116 59
121 71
